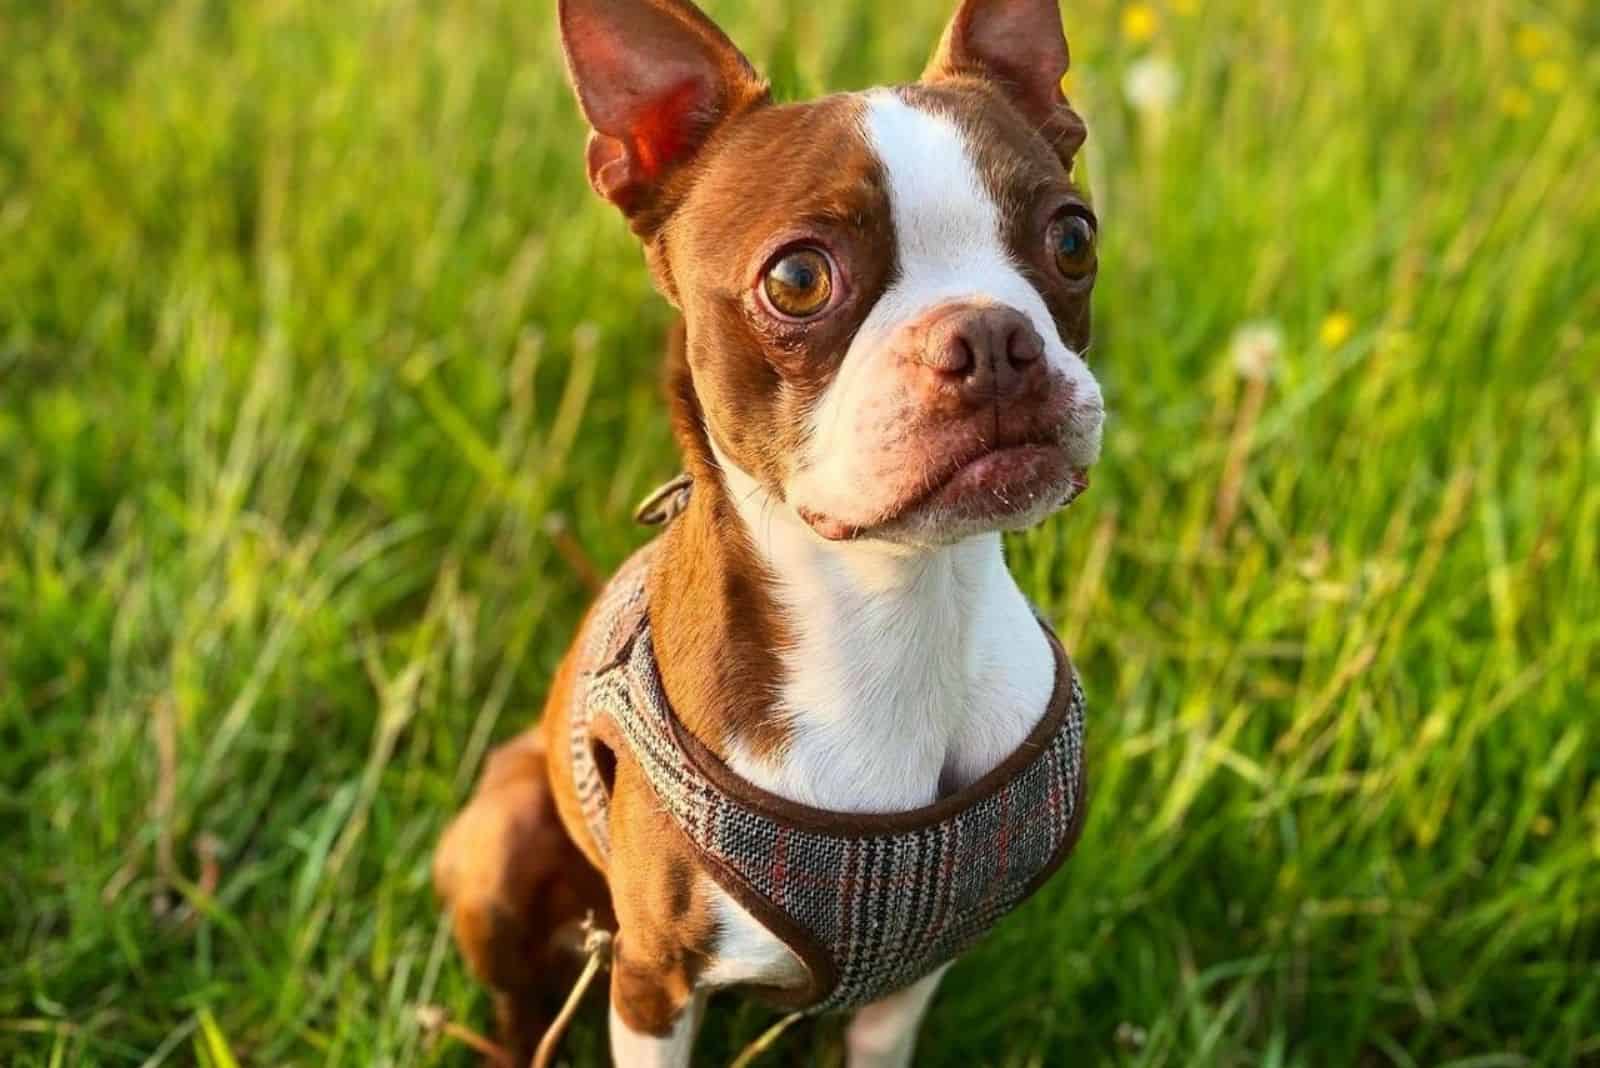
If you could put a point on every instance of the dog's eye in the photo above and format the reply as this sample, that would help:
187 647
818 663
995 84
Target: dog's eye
799 283
1072 245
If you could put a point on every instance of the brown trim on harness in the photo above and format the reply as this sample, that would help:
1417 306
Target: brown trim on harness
1074 832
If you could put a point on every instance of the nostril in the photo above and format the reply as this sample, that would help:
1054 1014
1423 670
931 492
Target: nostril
1023 346
958 356
969 355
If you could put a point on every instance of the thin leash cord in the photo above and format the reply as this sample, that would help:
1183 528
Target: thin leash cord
764 1041
597 944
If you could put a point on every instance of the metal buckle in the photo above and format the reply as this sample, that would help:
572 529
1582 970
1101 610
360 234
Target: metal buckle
664 503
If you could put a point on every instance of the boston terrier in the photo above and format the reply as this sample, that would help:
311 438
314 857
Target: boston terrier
812 740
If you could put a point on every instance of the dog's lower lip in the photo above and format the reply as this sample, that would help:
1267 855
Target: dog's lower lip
960 479
979 474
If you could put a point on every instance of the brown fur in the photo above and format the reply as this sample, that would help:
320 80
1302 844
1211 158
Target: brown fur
517 870
716 629
790 172
516 890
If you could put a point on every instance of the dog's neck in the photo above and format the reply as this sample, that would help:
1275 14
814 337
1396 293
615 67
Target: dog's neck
850 676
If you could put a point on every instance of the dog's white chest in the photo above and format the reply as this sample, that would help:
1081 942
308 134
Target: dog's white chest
901 687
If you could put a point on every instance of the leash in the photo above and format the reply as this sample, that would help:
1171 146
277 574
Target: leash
597 945
764 1041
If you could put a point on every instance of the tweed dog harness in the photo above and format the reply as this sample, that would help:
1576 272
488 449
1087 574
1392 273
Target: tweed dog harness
870 903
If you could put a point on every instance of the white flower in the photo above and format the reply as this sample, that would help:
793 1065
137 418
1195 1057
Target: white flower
1151 84
1256 347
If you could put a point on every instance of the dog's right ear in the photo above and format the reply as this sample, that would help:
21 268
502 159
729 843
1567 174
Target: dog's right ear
654 78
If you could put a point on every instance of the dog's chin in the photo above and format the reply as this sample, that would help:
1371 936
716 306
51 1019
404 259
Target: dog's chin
1013 489
1005 489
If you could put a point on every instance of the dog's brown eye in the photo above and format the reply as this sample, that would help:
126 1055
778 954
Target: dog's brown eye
799 284
1072 245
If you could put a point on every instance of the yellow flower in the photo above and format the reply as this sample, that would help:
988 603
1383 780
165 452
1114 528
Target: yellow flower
1549 76
1139 22
1336 329
1515 101
1532 42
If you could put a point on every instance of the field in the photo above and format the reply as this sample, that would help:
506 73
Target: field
323 379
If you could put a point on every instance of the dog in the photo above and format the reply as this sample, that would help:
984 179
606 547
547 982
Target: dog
812 740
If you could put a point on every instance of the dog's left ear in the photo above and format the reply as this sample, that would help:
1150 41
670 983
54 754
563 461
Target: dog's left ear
1019 46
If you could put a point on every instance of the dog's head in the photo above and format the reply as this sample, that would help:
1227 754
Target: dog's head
886 294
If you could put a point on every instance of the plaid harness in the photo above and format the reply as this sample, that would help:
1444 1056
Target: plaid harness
871 903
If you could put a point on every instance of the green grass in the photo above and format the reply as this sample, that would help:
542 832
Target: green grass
312 341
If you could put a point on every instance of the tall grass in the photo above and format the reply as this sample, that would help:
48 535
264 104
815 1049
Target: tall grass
317 359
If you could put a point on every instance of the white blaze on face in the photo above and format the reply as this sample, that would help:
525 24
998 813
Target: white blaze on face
949 245
909 666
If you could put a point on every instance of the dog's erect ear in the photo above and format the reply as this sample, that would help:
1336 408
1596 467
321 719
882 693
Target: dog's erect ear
654 78
1020 47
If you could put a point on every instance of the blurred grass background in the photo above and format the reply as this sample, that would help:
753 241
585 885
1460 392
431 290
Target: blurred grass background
317 360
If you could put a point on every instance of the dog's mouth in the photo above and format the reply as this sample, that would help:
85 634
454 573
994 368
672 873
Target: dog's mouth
982 486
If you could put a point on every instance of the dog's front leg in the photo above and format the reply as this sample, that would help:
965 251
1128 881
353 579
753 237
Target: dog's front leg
665 930
884 1033
649 1028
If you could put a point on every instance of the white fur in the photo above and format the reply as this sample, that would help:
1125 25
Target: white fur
746 951
912 670
634 1049
950 246
884 1034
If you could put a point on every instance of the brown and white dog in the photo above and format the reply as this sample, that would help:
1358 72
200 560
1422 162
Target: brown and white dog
885 299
